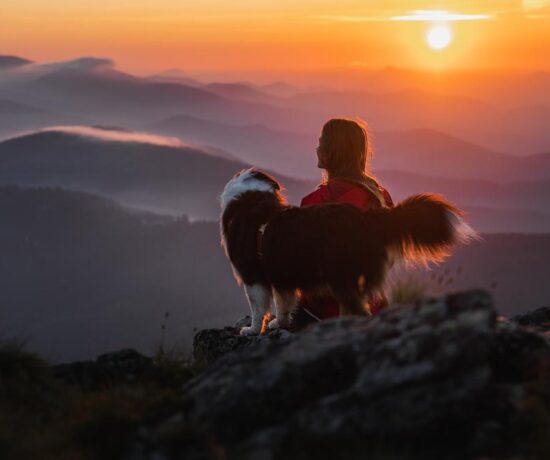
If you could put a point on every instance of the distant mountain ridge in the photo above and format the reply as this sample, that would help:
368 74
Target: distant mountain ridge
10 107
418 151
167 178
170 176
93 87
10 62
81 275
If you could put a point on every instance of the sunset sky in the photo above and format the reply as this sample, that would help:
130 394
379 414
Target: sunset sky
277 35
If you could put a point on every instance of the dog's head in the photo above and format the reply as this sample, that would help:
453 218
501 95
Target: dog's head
248 180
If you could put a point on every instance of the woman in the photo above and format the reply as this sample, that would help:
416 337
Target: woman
344 153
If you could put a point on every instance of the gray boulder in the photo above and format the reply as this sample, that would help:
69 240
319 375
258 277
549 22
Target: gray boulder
439 379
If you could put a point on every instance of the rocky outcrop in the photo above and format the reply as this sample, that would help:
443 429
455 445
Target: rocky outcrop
211 344
439 379
124 366
538 319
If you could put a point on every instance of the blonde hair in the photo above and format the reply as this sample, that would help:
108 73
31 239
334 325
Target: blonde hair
346 146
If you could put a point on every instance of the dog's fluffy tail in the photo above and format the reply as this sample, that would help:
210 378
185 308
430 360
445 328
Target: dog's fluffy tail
423 228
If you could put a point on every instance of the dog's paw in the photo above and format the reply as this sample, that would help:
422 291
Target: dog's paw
273 324
249 331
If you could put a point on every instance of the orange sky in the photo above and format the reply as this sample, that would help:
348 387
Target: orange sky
277 35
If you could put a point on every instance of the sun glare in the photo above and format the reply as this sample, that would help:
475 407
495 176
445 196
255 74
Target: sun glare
439 36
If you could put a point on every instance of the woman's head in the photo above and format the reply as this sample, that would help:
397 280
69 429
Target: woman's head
344 148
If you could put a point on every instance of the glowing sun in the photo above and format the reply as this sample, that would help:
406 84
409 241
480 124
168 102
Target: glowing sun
439 36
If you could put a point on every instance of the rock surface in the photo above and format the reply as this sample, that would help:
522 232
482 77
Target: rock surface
439 379
117 367
538 319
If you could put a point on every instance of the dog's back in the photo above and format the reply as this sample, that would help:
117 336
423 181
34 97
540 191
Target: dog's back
306 248
348 250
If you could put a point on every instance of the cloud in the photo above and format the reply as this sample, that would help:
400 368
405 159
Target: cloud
415 15
34 70
439 15
537 9
117 135
530 9
535 4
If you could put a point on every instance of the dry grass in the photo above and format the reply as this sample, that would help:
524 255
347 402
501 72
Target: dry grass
42 417
406 287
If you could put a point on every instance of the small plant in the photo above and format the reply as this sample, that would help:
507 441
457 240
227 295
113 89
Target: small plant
410 287
163 331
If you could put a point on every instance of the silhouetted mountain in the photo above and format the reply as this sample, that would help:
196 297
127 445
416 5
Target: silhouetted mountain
164 175
137 169
10 62
393 99
512 266
16 108
507 88
510 195
519 131
80 274
281 89
422 151
93 87
175 76
507 220
239 91
425 151
16 117
85 63
287 152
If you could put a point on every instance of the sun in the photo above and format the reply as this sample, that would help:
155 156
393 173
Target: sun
439 36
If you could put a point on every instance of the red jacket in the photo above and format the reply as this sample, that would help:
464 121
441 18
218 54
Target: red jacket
339 191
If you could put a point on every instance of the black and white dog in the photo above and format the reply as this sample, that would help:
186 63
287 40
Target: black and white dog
277 250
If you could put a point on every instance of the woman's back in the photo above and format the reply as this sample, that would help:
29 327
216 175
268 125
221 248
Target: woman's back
343 190
344 152
340 190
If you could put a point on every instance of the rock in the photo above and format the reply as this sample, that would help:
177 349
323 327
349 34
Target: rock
122 366
538 319
438 379
243 322
211 344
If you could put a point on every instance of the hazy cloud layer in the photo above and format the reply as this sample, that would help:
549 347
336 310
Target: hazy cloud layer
116 135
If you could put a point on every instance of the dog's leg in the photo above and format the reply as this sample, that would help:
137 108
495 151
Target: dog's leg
284 303
259 299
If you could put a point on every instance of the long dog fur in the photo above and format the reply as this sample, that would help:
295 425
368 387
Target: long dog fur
277 250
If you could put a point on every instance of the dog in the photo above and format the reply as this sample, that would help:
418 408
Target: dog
278 251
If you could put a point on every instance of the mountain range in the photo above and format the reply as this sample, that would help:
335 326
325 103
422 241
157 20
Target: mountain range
94 87
169 176
146 172
81 275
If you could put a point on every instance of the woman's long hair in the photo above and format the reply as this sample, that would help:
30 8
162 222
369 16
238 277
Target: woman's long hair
347 152
346 148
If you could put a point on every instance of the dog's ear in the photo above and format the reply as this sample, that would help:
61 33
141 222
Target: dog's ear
259 175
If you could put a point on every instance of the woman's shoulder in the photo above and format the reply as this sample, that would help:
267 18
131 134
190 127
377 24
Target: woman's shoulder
319 195
343 190
374 194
